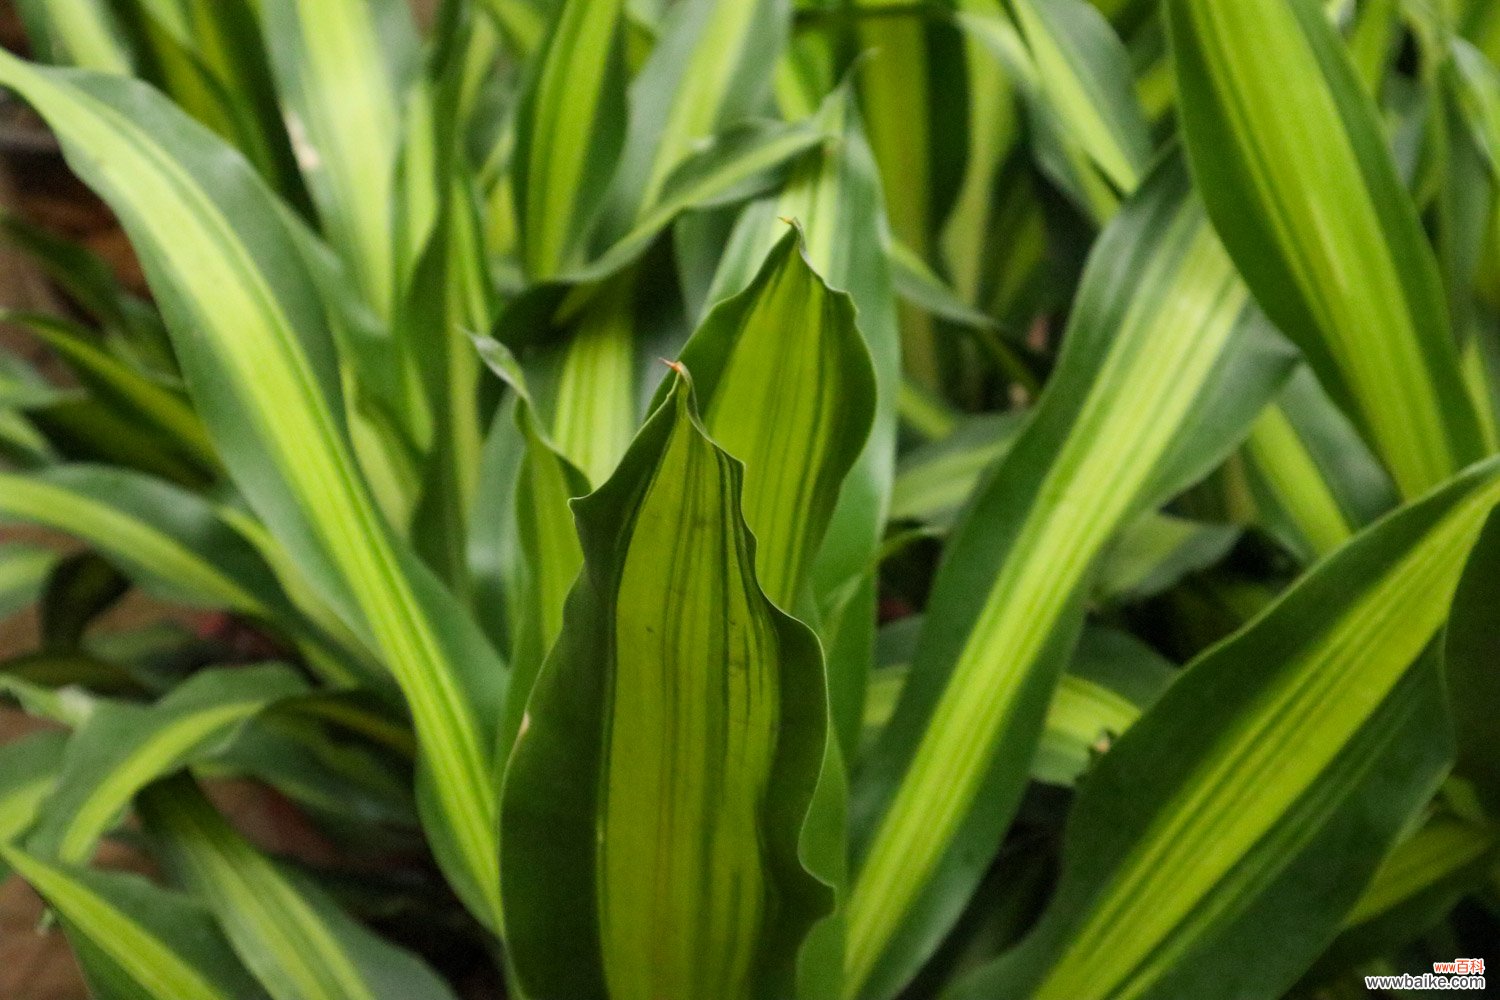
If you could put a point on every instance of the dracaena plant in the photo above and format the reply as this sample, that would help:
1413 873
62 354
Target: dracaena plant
1053 562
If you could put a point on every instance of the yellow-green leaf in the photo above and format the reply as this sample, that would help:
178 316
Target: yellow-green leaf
1183 865
250 330
788 389
1307 200
78 33
710 67
134 941
571 126
656 796
1138 407
120 748
295 939
28 772
342 67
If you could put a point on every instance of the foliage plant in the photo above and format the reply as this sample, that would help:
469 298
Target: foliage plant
1054 562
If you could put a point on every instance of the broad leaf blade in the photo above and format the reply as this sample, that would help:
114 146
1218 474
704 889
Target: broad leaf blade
1138 408
250 331
343 68
121 748
788 389
711 67
295 939
656 796
1179 845
134 941
28 772
1308 202
835 195
569 131
78 33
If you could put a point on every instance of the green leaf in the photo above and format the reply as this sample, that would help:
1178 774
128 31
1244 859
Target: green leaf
835 195
28 772
1296 500
1151 555
522 22
77 32
494 550
903 121
249 328
920 286
1186 871
88 281
21 385
1111 680
995 137
446 297
594 400
23 570
1432 855
1313 478
657 792
83 429
211 58
133 940
788 389
711 66
120 748
1085 72
1138 408
1481 25
82 587
1471 646
343 68
569 131
1073 73
172 543
936 480
1372 41
1308 202
738 164
160 410
1417 883
295 939
343 762
545 483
